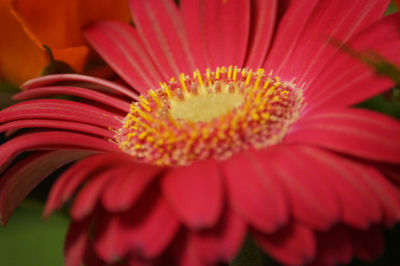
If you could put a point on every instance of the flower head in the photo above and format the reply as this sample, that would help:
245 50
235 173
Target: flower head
232 118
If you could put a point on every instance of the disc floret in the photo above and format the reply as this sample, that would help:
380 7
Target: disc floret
212 114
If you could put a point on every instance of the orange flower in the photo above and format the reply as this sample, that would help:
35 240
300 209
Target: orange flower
25 26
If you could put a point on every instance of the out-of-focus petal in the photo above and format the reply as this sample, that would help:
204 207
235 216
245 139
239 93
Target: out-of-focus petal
20 58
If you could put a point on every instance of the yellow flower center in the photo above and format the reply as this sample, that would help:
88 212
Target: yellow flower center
213 114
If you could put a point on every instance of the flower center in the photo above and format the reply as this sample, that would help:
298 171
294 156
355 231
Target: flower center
212 114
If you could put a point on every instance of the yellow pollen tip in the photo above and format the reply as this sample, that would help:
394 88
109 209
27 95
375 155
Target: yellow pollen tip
211 114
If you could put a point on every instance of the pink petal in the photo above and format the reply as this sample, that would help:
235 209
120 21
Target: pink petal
42 92
87 198
358 203
76 243
60 110
313 49
312 200
162 31
52 140
145 230
25 175
66 185
257 196
385 193
108 239
292 245
66 125
120 46
59 78
339 82
220 29
222 243
294 16
195 193
192 15
128 186
150 235
263 16
356 132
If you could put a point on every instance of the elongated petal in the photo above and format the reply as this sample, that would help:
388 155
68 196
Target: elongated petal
360 208
24 176
294 16
66 125
195 193
164 35
222 30
262 22
221 243
76 243
313 49
137 231
78 173
60 110
120 46
128 186
385 193
54 79
292 245
254 194
53 140
80 92
339 82
312 200
87 197
357 132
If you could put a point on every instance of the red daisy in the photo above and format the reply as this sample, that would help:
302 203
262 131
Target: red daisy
253 135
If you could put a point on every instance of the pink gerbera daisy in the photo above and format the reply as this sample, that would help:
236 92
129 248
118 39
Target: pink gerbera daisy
233 118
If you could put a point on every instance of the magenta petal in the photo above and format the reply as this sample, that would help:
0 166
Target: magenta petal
61 110
292 245
254 194
25 175
42 92
87 198
128 185
339 82
59 124
385 193
120 46
263 16
222 243
295 14
312 200
53 140
144 230
57 78
356 132
150 235
195 193
359 206
163 33
313 49
221 28
66 185
76 243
